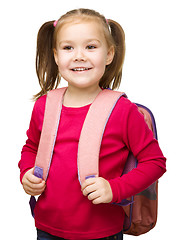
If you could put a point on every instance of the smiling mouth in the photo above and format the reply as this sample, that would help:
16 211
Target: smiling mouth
80 69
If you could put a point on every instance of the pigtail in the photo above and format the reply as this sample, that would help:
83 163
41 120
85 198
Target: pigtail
113 73
46 68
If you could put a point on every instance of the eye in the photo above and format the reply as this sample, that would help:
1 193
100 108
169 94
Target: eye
67 47
90 47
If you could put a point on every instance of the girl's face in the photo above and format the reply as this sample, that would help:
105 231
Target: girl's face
82 53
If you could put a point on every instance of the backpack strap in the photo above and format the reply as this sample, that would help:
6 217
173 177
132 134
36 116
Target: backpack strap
89 144
49 132
48 137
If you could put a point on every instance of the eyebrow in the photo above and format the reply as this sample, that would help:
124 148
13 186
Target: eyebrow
86 41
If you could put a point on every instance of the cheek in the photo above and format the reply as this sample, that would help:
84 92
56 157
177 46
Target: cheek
63 62
101 59
100 62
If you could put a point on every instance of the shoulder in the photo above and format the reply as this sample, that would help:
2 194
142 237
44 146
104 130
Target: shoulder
124 106
127 114
39 107
122 112
40 103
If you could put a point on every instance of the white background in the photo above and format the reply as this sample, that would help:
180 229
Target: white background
152 76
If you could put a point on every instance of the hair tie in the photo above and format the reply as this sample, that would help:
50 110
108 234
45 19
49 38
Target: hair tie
55 23
107 22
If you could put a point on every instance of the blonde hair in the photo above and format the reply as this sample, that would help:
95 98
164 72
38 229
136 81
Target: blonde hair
46 68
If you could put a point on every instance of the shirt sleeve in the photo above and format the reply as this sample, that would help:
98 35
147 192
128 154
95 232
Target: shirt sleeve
151 162
29 150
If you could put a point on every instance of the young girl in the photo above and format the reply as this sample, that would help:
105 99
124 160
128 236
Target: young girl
88 52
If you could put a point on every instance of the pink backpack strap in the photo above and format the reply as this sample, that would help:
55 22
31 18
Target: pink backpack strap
49 132
48 137
92 133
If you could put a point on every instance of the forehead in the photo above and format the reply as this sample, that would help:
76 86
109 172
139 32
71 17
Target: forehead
81 29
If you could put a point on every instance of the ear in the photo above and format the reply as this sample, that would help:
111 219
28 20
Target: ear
110 55
55 56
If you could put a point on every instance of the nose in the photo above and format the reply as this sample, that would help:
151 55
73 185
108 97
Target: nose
79 55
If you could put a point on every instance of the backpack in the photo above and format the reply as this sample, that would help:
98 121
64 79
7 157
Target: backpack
141 209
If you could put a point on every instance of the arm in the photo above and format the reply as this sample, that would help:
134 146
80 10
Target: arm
151 162
31 184
139 139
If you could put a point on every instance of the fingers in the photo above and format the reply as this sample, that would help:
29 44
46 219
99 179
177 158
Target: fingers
31 177
97 190
95 197
33 185
88 186
90 190
35 190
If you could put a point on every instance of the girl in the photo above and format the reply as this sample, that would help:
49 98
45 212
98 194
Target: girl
88 52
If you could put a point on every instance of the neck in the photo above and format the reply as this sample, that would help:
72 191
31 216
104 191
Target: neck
79 97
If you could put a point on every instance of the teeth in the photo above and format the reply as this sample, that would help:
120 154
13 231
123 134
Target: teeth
80 69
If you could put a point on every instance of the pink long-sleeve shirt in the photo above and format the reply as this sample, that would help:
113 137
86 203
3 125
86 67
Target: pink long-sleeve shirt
62 210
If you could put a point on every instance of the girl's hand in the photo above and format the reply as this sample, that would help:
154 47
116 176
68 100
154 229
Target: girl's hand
98 190
32 184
